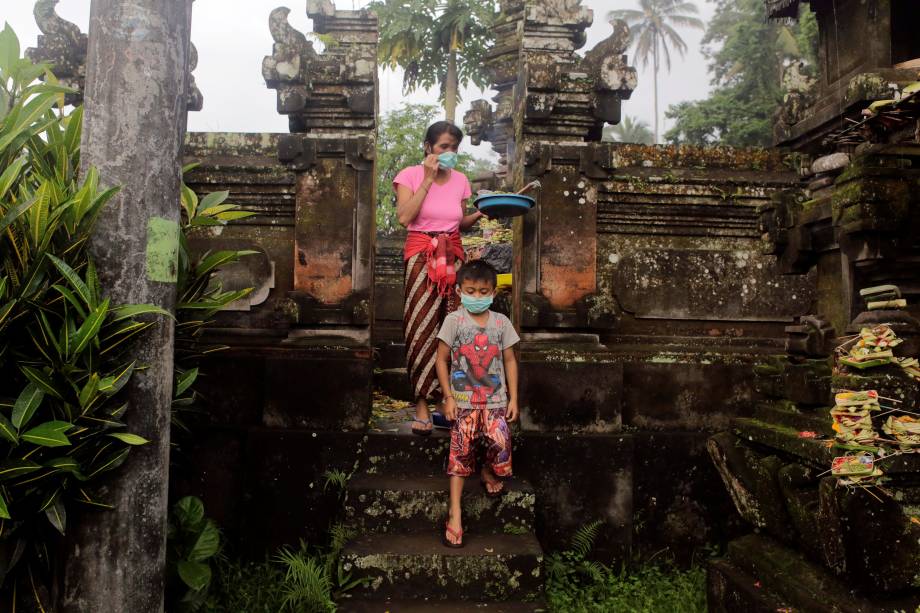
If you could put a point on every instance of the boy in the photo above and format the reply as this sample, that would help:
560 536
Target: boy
476 363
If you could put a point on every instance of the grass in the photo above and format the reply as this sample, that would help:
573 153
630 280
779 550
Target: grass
647 588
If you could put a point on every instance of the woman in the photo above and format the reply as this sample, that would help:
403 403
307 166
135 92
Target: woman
430 203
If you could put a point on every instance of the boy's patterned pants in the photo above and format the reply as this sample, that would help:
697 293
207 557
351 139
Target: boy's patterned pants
470 425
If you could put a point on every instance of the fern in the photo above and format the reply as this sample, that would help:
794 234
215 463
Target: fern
307 586
336 478
583 541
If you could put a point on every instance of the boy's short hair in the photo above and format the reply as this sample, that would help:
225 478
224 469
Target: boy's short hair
477 270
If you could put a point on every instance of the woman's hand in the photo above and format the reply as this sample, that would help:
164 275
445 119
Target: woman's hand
430 166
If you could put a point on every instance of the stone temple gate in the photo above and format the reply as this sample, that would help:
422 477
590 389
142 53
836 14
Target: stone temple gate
663 294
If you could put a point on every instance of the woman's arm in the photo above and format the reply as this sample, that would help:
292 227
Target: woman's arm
470 220
408 204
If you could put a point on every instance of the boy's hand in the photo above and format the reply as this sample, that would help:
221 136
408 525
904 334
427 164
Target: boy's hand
450 408
512 411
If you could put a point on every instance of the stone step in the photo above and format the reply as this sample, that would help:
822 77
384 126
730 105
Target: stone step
440 606
394 382
788 579
401 505
404 453
815 420
500 567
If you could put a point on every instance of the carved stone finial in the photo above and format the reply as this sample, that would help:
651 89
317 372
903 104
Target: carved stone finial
614 79
329 92
63 46
194 99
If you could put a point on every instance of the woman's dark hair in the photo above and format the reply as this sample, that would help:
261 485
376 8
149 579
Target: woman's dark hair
477 270
438 128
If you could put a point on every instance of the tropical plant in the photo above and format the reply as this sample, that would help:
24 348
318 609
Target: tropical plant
436 42
576 584
747 54
192 541
400 137
653 32
200 294
315 579
63 357
629 130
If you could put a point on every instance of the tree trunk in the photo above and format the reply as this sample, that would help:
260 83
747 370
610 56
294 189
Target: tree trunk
655 85
451 88
135 105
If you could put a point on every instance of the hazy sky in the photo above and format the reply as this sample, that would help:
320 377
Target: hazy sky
232 37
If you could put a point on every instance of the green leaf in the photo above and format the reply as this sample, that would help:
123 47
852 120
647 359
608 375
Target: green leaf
14 213
17 468
207 543
49 434
185 380
26 405
113 383
89 391
64 463
10 175
9 49
211 201
195 575
7 430
189 511
130 311
57 514
89 329
218 259
72 278
4 511
130 439
41 379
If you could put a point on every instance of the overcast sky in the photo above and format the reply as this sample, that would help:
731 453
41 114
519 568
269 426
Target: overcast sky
232 37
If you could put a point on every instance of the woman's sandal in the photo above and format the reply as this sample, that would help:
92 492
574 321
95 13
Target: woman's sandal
457 534
422 431
498 494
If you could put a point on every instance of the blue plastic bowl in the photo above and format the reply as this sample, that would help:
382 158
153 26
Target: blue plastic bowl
504 205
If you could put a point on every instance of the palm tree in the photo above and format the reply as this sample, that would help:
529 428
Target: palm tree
629 131
653 32
437 42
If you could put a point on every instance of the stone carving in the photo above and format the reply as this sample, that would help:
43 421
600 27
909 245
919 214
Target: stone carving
542 82
333 92
194 98
62 46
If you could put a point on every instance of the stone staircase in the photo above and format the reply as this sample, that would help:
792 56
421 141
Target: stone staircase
397 501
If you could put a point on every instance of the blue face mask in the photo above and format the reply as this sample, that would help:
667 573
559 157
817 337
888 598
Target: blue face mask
447 159
476 304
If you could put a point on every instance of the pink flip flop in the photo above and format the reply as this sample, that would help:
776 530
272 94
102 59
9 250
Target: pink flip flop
457 534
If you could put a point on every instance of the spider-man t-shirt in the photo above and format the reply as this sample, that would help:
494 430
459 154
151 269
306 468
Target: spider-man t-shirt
477 371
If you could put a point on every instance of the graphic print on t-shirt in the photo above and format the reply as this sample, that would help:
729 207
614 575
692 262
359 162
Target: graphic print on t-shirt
473 380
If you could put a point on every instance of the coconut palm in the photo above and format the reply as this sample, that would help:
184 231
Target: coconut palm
630 130
653 31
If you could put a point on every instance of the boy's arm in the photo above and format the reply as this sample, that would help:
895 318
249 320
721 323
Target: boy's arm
442 367
511 377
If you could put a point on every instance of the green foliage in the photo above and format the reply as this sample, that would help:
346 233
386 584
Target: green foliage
295 580
193 540
335 478
746 56
200 294
245 587
63 345
421 36
629 130
576 584
400 138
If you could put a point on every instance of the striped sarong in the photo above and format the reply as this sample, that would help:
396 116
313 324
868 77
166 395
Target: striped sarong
423 314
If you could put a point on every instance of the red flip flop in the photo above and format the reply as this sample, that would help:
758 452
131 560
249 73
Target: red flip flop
454 533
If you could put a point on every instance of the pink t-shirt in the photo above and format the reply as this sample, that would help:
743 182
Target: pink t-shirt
442 208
